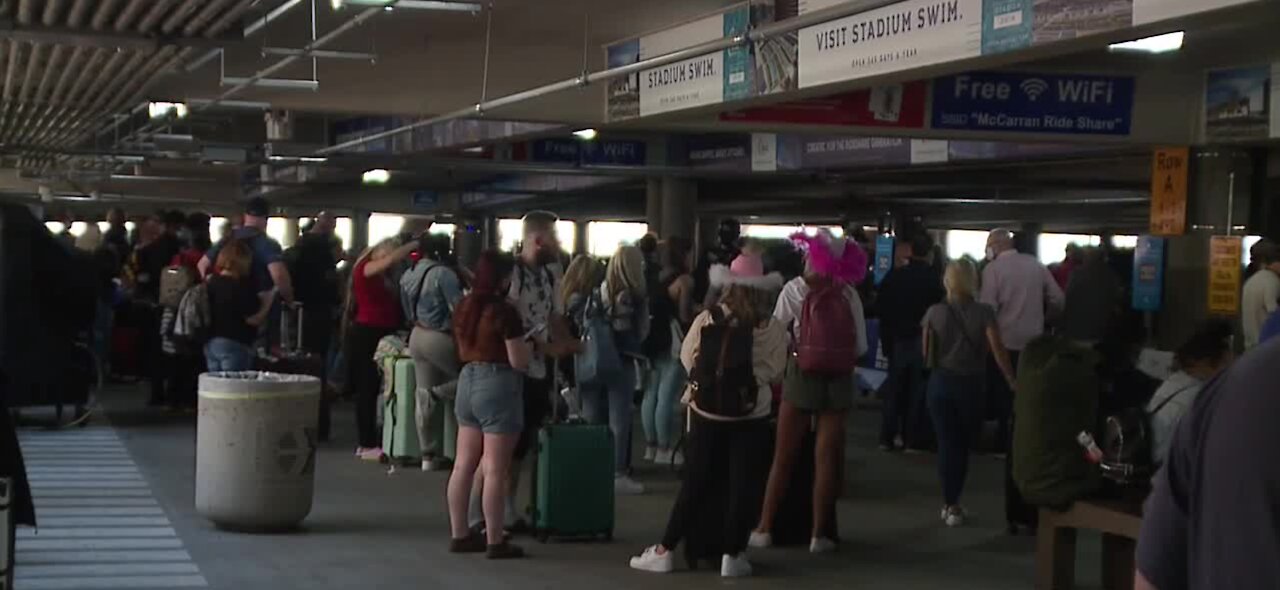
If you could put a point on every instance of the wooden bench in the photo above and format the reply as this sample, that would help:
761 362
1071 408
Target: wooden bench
1119 522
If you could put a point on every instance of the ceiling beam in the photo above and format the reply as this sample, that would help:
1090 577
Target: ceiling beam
108 39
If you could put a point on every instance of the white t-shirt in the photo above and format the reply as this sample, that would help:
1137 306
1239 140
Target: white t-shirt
791 304
1258 303
533 293
1183 389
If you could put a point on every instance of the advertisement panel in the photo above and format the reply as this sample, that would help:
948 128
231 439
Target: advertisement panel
900 106
1006 25
884 257
1034 103
844 151
1148 274
910 34
1169 169
1150 11
1225 253
708 79
1241 104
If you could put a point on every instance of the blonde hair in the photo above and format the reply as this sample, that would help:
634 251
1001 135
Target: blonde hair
91 239
583 275
626 272
750 305
961 281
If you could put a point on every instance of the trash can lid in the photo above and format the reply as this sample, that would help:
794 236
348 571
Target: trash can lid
257 384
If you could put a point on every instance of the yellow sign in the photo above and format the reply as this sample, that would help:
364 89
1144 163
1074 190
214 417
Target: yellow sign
1169 191
1225 254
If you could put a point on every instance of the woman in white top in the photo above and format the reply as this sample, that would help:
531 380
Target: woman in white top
727 456
1202 356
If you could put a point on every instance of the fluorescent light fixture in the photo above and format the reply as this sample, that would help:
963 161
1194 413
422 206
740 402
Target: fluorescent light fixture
377 176
470 7
585 134
159 110
281 83
1157 44
475 149
312 160
303 159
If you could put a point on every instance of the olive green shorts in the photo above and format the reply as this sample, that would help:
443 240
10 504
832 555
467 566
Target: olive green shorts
818 392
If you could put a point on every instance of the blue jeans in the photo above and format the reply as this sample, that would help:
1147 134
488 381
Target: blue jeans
657 412
611 403
224 354
955 403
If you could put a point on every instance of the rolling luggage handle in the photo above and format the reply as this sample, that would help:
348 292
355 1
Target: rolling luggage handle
284 329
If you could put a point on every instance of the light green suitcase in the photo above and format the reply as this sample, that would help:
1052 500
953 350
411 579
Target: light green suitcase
399 428
399 434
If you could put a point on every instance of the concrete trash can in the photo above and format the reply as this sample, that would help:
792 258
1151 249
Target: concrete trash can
255 449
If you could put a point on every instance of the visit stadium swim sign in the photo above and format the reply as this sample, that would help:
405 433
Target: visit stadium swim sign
901 36
1035 103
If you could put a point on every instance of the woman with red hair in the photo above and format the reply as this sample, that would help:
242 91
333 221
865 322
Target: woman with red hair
489 406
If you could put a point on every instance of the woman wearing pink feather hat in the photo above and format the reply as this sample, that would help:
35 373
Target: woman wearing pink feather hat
823 312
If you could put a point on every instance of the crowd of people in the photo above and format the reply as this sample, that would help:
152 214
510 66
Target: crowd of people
736 365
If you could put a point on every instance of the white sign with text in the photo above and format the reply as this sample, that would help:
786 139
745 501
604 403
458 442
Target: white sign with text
689 83
902 36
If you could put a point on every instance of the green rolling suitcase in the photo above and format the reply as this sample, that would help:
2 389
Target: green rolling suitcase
399 434
399 428
574 493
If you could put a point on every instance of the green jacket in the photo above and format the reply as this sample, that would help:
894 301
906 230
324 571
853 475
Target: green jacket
1057 398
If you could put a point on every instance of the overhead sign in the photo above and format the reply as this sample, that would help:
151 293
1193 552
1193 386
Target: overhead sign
426 199
1149 11
1034 103
905 35
884 257
1169 168
845 151
703 80
764 152
1242 103
1225 253
602 152
1148 274
899 106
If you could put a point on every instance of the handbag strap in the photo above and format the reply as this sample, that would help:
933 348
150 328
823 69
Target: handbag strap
955 317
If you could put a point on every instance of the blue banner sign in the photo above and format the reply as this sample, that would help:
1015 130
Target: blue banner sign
426 200
1034 103
884 257
572 151
1148 274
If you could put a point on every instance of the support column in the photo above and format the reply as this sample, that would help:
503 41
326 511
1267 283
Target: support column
679 208
1028 238
359 231
290 231
580 236
653 205
1213 198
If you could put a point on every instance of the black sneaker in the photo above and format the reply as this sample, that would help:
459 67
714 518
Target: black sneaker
472 543
505 550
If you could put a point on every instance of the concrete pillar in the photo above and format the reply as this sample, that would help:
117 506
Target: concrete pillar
653 205
679 208
469 240
1027 239
359 231
290 231
580 236
1212 194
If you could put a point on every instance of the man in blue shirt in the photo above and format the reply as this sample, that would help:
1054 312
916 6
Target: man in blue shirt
430 291
268 268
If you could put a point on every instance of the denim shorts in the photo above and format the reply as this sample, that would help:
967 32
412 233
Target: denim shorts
817 392
490 399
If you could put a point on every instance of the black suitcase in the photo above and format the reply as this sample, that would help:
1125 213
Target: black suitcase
290 359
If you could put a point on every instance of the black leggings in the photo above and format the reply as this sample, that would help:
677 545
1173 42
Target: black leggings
726 465
364 381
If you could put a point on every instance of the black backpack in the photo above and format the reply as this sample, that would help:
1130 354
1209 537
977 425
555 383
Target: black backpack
723 377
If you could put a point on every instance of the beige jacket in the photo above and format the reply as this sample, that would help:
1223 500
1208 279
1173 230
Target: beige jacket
769 355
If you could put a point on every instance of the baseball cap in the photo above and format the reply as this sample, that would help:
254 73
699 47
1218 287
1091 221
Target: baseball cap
257 207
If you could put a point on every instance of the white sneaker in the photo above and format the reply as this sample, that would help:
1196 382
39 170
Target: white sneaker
821 545
677 458
760 540
955 516
734 566
625 486
945 510
662 457
652 561
649 453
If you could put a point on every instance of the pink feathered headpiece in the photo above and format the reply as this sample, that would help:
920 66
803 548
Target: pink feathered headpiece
834 257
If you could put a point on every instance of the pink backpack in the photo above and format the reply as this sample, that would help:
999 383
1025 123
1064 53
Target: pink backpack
828 339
